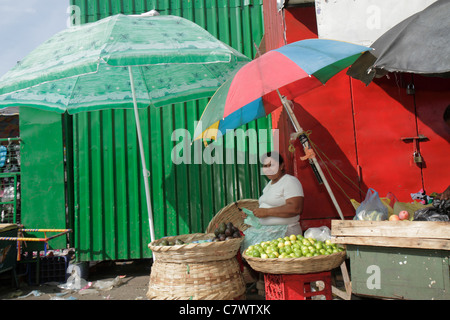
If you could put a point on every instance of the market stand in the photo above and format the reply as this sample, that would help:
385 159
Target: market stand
200 269
396 259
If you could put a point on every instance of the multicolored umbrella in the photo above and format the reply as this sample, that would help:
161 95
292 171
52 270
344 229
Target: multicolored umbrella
272 80
255 90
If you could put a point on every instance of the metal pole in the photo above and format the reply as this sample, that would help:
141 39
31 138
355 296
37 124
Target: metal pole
298 128
145 172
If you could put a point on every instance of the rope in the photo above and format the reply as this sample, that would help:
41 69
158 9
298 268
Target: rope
45 230
317 151
22 239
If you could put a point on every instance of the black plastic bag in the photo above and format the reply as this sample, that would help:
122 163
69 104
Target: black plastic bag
440 211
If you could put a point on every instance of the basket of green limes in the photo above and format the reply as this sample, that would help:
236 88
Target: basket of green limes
294 255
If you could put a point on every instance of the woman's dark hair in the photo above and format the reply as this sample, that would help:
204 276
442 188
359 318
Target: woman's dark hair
274 155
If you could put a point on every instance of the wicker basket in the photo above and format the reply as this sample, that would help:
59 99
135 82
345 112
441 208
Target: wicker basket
233 213
297 265
195 252
214 280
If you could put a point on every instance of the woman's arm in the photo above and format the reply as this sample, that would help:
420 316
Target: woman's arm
292 208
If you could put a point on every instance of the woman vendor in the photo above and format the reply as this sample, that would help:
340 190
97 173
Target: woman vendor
282 200
280 207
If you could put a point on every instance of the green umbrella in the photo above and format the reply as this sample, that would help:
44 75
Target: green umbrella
121 62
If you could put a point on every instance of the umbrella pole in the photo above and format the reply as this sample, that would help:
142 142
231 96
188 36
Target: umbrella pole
299 129
145 172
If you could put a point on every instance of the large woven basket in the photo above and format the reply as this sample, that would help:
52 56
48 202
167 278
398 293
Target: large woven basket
233 213
195 252
297 265
215 280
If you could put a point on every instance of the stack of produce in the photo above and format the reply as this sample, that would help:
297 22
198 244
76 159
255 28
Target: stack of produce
178 241
292 247
226 231
294 254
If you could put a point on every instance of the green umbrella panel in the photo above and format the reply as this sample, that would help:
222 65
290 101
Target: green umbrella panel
85 68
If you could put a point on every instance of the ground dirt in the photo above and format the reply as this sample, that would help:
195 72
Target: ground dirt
134 284
135 276
134 280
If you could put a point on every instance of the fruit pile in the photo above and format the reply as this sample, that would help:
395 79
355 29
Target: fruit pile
402 215
292 247
165 242
226 231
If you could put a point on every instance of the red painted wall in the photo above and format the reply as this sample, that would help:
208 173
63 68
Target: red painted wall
359 129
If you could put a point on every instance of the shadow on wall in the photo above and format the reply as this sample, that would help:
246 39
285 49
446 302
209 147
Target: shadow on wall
431 96
339 171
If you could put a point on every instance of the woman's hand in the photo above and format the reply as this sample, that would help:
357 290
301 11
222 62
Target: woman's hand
261 212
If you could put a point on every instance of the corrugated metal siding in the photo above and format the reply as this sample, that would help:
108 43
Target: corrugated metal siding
110 210
274 35
42 175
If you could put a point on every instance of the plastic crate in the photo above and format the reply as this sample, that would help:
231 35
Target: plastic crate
51 269
296 286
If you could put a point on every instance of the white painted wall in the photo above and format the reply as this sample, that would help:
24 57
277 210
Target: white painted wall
362 21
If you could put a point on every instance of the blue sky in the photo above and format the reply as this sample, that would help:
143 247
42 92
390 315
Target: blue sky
24 24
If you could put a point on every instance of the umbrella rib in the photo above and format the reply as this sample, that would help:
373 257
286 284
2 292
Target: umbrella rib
72 91
205 66
108 36
145 83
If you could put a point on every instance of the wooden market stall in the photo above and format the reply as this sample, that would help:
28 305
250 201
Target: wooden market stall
397 259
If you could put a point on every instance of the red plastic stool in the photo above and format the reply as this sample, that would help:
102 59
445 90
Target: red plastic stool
296 286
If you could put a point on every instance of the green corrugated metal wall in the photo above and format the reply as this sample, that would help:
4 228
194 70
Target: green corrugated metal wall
110 218
42 175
